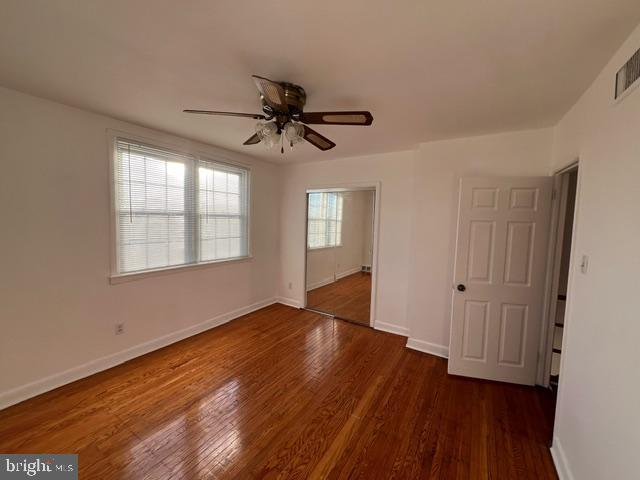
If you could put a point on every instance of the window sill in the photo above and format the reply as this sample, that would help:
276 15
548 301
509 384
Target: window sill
314 249
130 277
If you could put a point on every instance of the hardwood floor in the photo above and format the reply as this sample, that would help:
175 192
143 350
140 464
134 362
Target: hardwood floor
285 393
348 298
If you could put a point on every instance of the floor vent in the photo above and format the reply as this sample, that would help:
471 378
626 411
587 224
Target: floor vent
628 74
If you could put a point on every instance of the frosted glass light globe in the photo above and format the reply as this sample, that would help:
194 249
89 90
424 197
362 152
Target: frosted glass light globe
294 132
267 133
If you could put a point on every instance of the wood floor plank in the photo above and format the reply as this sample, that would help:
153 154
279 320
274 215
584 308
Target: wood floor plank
284 393
348 298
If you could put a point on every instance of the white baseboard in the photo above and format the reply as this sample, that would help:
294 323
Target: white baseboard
321 283
560 460
427 347
346 273
290 302
329 280
23 392
391 328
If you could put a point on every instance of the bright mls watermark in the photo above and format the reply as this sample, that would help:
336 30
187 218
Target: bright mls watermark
43 465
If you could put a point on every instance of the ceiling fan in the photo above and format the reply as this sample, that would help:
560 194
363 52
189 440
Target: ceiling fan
282 104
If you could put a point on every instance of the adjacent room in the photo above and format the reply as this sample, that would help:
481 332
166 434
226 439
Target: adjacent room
340 253
341 239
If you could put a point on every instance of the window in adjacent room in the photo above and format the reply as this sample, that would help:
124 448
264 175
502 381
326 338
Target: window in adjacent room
173 209
325 220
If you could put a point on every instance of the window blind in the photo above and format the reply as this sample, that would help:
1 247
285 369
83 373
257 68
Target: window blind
173 209
324 227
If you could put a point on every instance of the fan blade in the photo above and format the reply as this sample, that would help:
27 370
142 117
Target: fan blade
255 116
337 118
252 140
273 93
314 138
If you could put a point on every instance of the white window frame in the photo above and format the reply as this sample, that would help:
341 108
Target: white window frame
338 244
182 149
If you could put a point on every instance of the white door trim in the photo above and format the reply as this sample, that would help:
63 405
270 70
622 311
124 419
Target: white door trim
558 214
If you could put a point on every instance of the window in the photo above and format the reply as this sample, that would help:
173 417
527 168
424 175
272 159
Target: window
325 220
173 209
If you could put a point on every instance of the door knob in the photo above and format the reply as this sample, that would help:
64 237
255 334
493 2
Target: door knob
461 288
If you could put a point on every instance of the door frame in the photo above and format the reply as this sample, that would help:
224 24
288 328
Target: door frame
558 217
349 187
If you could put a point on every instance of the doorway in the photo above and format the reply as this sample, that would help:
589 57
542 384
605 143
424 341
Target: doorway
566 183
511 276
340 253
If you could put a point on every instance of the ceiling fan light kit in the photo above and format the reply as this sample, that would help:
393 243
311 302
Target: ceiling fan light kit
267 133
294 132
284 118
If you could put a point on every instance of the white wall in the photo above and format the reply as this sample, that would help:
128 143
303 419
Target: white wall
393 170
324 265
418 202
367 251
57 308
597 431
436 177
321 267
349 256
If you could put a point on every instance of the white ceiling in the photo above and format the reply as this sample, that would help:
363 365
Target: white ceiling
426 69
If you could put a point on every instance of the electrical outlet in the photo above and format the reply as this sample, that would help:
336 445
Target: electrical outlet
119 328
290 285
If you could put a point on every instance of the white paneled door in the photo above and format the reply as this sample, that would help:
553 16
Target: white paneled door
503 232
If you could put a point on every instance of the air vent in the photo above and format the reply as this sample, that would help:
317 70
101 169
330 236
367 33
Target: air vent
628 74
